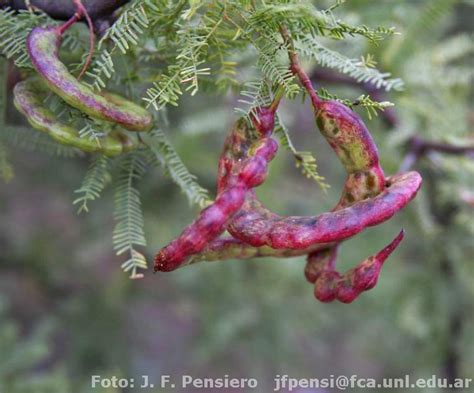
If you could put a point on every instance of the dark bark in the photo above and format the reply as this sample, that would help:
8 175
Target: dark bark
64 9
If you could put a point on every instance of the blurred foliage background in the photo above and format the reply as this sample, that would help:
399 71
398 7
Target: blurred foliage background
67 311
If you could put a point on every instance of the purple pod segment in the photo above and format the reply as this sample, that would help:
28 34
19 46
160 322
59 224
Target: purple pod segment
365 200
210 224
301 232
43 47
212 221
232 248
242 141
330 285
320 261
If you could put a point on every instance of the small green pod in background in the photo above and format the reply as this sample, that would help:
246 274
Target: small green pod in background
28 100
43 47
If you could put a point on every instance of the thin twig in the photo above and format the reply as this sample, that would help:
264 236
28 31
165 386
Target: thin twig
297 70
62 28
82 10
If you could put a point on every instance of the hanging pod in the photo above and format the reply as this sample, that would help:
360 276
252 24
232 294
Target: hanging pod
29 100
368 198
43 47
250 172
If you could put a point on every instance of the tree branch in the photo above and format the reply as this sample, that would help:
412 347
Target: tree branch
297 70
65 9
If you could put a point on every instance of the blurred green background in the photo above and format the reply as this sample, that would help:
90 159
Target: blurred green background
67 311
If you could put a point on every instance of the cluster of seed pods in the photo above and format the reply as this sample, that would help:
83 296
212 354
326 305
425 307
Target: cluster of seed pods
43 45
249 171
368 199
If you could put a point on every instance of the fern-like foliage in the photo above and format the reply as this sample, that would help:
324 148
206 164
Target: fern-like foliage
90 132
188 68
124 34
31 140
432 13
305 160
14 28
195 45
165 154
303 16
273 67
254 94
175 48
355 68
128 232
94 182
363 100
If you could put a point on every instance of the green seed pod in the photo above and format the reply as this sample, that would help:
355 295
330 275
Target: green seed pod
43 46
347 134
28 100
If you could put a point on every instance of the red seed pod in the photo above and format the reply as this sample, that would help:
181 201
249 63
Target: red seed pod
330 285
210 224
260 227
247 172
367 199
231 248
320 261
364 201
